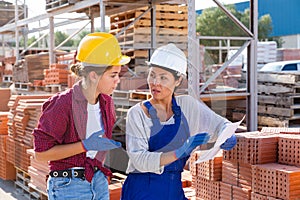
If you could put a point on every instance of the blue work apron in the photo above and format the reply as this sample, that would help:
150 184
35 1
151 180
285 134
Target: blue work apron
163 138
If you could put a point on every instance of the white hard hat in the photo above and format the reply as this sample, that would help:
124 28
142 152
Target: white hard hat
171 57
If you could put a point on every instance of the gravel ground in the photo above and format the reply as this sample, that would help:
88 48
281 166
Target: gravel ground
9 192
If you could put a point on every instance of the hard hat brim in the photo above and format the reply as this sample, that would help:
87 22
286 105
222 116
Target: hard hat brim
123 60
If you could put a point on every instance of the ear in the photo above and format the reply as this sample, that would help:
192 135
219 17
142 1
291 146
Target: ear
93 76
178 82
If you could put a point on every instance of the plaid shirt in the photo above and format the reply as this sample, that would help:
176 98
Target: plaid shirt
63 121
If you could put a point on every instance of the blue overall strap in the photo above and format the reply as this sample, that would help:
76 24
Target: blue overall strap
166 137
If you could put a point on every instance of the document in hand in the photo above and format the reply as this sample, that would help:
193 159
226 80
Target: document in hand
227 132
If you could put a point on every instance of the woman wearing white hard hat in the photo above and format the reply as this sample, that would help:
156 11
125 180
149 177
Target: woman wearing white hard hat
162 132
75 128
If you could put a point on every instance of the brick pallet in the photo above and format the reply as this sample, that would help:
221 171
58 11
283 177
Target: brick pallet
251 170
31 68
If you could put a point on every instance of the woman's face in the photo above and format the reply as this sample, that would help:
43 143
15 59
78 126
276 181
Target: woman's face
161 83
109 80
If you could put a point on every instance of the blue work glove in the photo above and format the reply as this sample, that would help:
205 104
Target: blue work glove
190 144
98 143
229 143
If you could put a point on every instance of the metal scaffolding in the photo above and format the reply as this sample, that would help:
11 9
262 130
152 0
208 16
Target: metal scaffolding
107 7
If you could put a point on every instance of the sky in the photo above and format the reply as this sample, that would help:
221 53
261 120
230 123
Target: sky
37 7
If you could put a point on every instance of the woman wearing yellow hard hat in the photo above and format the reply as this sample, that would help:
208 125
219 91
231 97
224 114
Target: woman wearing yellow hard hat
75 128
162 132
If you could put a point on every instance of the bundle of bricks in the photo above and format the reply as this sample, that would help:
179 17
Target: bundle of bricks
23 115
5 94
3 123
38 172
7 170
56 74
252 170
31 68
22 119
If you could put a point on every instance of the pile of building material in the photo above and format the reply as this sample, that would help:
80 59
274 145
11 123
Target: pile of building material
56 74
171 26
252 169
278 99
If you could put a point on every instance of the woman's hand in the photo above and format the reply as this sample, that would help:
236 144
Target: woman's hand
229 143
190 144
98 143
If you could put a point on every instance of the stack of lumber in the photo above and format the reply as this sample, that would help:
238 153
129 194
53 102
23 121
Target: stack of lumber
31 68
278 99
252 169
171 26
56 74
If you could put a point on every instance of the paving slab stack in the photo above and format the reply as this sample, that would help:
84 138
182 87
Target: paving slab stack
263 165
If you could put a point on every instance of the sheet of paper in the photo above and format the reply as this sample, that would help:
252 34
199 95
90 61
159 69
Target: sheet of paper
228 131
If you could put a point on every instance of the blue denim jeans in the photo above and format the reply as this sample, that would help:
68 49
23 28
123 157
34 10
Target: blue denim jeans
60 188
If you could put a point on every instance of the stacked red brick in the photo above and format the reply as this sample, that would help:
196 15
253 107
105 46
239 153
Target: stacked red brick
251 170
38 172
22 118
206 177
7 170
31 68
56 74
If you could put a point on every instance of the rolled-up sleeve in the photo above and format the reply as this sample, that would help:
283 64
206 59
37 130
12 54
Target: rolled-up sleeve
137 136
52 125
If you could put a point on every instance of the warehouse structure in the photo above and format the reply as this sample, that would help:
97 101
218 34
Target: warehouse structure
234 175
280 13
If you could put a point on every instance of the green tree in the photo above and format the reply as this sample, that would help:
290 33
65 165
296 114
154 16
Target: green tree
29 41
214 22
80 36
60 37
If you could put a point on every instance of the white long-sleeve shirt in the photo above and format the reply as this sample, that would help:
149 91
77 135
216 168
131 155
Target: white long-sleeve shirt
200 119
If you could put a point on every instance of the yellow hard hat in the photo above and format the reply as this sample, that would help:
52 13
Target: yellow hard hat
100 49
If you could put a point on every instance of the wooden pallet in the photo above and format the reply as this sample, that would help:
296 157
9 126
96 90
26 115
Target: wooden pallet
22 184
275 89
283 101
278 77
56 4
272 110
275 121
23 86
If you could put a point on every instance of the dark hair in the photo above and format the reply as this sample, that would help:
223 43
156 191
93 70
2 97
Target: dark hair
80 70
